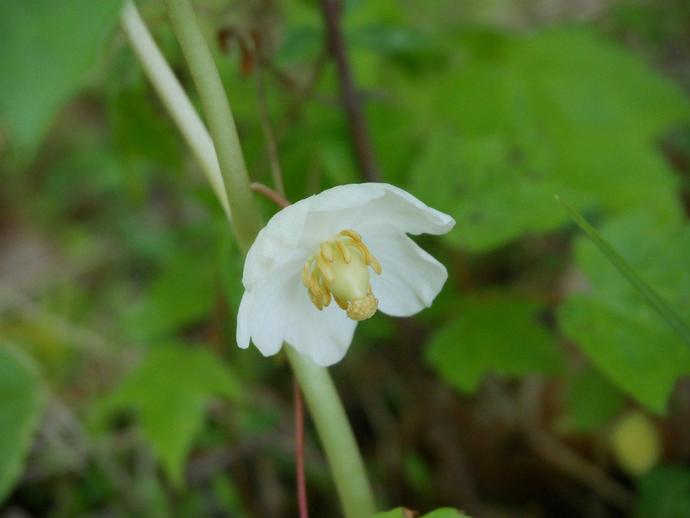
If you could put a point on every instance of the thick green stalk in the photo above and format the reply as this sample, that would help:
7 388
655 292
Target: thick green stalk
321 396
245 216
175 99
336 436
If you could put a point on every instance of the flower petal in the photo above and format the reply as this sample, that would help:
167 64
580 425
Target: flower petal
265 311
324 336
299 228
277 244
411 277
279 310
401 211
372 206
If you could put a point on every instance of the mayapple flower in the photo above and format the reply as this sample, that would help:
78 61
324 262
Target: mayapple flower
326 262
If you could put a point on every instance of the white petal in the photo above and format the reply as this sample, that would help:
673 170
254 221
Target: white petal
265 311
298 229
411 278
372 206
324 336
243 315
401 211
277 244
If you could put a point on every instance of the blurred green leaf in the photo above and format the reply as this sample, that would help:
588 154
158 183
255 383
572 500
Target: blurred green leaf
502 335
591 403
168 393
655 301
446 512
398 512
402 512
524 118
664 493
47 47
182 294
142 132
21 403
614 325
492 199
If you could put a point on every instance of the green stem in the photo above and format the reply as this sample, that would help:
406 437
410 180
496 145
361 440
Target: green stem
336 435
320 394
245 216
174 99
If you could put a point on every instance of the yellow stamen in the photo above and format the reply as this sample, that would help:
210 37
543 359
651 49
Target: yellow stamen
325 269
339 270
375 264
344 251
351 234
341 303
327 252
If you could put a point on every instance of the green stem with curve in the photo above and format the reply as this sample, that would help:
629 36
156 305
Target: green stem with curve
246 220
326 409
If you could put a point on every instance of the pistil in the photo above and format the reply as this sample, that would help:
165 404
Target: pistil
340 270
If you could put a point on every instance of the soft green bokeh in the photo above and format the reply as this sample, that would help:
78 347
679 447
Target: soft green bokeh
21 403
47 47
623 336
591 403
525 118
168 393
501 335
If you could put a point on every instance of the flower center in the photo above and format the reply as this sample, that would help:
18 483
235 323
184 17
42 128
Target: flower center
340 269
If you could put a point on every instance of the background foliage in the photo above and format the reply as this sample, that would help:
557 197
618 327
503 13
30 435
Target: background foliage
530 388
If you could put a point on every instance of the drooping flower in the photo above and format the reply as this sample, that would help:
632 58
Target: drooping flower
330 260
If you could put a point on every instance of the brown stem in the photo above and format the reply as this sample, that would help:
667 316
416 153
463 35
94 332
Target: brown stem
299 453
269 193
271 145
348 91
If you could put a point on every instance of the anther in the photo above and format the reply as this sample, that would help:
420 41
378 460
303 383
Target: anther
339 270
375 264
351 234
325 268
327 252
344 251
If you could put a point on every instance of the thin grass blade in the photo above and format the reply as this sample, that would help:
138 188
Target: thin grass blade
656 301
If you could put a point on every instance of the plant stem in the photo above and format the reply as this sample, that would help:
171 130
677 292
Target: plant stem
348 91
245 216
302 504
174 99
336 435
320 394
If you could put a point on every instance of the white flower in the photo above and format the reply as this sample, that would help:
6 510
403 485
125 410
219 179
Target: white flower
307 278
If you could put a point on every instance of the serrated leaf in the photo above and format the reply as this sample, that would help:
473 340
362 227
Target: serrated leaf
501 335
168 393
524 118
21 403
47 47
614 325
664 493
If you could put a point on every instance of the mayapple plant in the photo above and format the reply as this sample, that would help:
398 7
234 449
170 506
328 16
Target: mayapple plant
321 250
307 272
